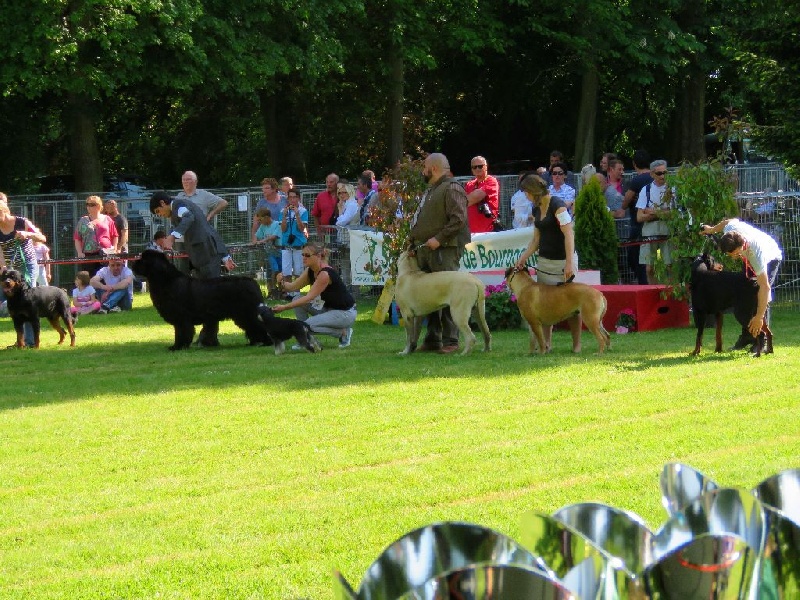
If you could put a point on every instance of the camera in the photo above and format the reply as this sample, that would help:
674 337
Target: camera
290 239
483 208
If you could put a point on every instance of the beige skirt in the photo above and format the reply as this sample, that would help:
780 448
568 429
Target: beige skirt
551 271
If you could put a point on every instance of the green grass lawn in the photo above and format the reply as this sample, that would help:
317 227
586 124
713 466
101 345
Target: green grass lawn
127 471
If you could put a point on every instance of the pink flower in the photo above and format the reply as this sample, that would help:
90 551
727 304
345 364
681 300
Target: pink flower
622 329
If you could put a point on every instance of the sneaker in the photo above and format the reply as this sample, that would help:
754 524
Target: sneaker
102 311
115 309
344 341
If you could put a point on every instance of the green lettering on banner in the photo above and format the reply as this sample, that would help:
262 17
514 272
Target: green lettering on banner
482 255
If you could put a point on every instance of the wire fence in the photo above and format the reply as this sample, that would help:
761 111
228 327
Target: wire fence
767 196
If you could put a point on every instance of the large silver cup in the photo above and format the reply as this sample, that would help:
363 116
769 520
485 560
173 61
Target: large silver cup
710 550
681 485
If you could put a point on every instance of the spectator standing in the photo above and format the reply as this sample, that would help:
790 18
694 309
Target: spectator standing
44 273
286 183
110 208
559 188
641 165
439 231
114 283
483 197
604 160
521 207
613 191
209 203
95 235
369 194
650 211
328 307
294 235
556 156
271 200
324 207
269 235
347 206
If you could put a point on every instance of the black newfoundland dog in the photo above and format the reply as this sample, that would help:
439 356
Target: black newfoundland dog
715 291
28 305
184 302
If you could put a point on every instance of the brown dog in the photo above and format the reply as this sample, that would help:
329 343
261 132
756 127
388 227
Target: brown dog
419 294
543 305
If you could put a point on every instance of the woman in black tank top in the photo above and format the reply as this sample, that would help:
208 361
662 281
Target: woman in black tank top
554 239
329 307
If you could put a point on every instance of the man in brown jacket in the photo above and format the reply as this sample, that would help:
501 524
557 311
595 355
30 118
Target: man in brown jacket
439 231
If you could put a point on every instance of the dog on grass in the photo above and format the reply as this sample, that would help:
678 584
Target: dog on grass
418 294
28 305
715 291
279 330
184 301
543 305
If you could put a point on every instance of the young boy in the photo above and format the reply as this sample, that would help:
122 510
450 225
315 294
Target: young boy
269 234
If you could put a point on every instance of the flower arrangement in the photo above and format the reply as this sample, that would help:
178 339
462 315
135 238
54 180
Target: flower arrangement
626 321
501 308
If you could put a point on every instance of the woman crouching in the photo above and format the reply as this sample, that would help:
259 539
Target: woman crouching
328 308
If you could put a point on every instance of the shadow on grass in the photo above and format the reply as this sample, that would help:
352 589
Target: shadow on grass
127 354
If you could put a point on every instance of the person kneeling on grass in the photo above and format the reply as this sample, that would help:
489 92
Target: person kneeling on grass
115 284
328 308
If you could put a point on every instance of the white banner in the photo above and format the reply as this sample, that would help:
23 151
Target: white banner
487 256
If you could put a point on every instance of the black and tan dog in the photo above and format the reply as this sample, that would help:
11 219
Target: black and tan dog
543 305
715 291
184 301
419 294
28 305
280 330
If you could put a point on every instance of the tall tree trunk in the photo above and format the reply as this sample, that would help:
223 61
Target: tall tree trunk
396 82
85 158
587 117
268 104
692 123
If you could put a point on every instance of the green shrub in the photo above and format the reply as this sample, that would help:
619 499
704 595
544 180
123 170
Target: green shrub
596 234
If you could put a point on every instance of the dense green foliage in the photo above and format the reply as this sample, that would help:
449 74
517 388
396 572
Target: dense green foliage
240 89
502 311
595 233
703 193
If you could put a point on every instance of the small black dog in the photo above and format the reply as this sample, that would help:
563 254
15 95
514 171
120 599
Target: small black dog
27 305
715 291
184 301
280 330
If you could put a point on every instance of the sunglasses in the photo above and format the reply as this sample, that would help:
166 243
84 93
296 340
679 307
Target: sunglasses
558 172
478 166
97 205
306 255
659 173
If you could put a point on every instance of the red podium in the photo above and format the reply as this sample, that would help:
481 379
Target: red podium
649 308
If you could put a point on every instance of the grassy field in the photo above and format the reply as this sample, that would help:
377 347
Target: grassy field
127 471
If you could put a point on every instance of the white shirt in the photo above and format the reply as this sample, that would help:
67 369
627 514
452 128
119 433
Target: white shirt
760 250
349 217
522 209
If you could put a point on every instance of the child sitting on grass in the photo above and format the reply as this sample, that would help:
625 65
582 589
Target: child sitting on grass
84 297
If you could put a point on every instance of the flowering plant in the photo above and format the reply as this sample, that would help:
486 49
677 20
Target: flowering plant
626 321
501 308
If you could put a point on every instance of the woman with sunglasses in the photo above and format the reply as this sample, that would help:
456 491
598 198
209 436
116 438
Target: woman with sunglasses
328 307
95 235
559 188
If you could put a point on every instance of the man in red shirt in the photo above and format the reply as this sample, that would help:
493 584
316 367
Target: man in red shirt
325 204
483 197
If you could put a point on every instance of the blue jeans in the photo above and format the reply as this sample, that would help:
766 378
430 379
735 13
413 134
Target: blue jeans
118 298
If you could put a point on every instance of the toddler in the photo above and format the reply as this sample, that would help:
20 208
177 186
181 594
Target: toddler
84 298
43 272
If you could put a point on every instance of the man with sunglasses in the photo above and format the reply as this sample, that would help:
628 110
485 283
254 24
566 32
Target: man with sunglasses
559 188
483 197
651 208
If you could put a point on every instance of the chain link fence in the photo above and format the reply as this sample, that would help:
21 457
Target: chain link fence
767 196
